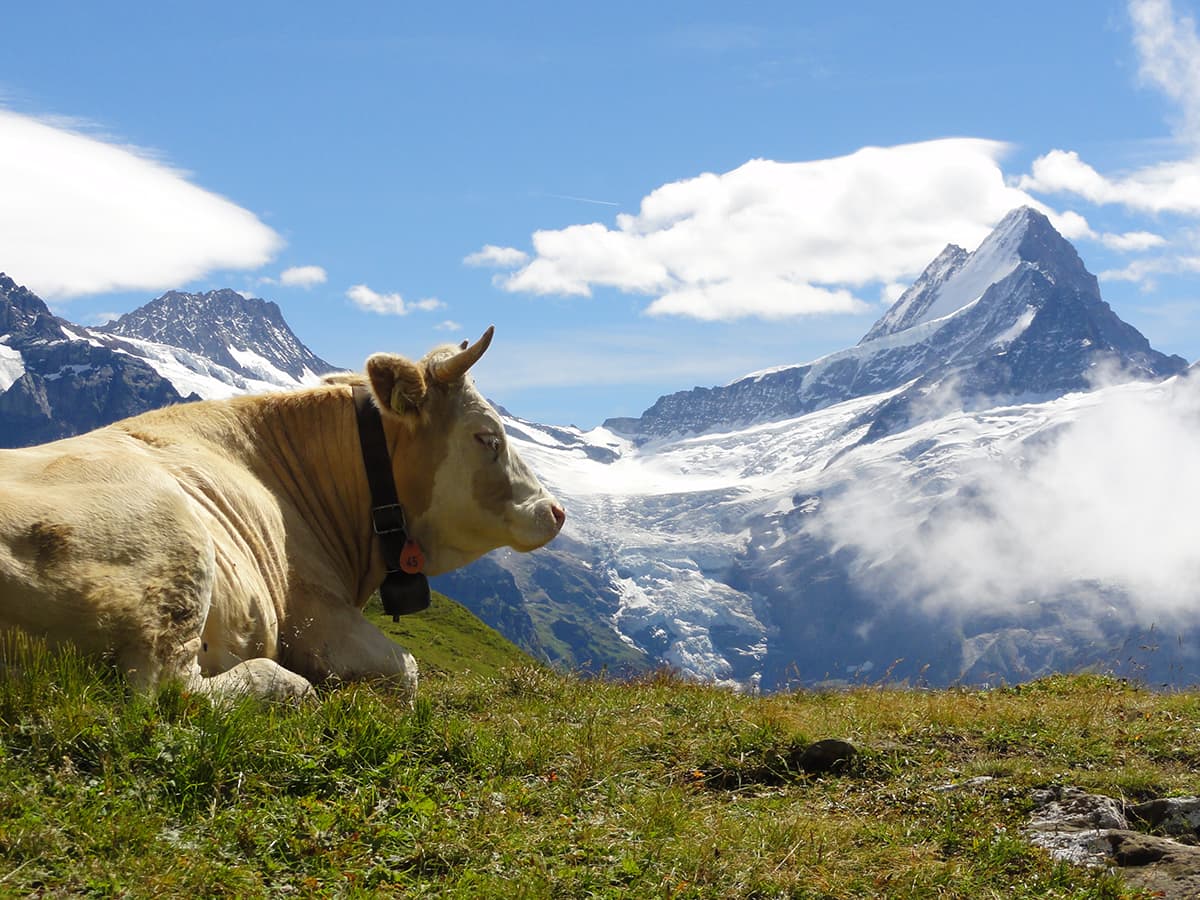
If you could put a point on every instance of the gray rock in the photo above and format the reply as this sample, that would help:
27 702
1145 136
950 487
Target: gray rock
1177 817
1070 809
1093 830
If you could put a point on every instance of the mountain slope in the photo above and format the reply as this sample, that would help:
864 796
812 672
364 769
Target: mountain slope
945 501
59 379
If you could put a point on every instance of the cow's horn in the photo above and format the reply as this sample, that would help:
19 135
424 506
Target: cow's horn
451 369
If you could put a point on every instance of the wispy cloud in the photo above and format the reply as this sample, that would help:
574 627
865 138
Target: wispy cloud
1144 271
585 200
1133 241
84 215
1098 500
1166 187
1169 59
392 304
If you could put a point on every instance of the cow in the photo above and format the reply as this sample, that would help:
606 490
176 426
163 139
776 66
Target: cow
232 544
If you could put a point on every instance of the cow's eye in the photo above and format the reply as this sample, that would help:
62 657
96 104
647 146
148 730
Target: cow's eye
489 440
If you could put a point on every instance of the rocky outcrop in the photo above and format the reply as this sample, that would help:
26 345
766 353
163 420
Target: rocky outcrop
1094 830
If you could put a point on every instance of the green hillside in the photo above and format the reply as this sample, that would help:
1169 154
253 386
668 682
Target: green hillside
535 784
447 638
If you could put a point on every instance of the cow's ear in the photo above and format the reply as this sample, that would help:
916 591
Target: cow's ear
398 385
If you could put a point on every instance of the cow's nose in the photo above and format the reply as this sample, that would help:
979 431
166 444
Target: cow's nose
560 514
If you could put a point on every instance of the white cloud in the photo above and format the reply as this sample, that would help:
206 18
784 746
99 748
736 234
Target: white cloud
303 276
84 216
372 301
1142 271
766 297
1100 500
388 304
776 239
448 325
497 257
1166 187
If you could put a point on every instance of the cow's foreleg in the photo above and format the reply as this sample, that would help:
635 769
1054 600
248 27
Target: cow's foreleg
259 677
344 645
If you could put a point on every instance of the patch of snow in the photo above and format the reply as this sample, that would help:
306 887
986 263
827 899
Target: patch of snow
12 365
262 368
191 373
76 336
1016 329
69 370
995 259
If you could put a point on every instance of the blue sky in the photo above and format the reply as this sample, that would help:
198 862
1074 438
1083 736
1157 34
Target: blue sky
641 197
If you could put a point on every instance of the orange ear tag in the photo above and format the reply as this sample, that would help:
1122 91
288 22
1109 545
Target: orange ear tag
412 557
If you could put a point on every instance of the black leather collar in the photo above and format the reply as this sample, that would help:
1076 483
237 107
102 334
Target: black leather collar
404 590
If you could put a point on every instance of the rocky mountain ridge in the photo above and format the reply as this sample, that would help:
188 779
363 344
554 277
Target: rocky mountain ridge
55 381
58 378
1020 317
246 335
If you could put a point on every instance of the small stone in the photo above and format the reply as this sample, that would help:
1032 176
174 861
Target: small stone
829 755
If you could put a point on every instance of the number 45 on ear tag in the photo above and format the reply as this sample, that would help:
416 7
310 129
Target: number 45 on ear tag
412 557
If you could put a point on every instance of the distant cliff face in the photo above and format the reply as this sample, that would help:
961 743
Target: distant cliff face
55 382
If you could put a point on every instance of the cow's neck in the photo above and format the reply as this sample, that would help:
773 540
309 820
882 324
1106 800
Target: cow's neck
308 453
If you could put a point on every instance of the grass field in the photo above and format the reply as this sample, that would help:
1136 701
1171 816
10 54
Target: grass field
523 782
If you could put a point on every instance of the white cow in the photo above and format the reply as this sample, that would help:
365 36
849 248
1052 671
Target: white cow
230 543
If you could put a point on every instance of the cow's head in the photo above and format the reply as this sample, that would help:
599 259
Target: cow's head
462 485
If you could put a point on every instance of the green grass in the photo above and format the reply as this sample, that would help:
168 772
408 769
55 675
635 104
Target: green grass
448 639
531 783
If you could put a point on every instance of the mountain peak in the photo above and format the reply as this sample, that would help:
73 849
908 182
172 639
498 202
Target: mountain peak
1019 317
248 335
956 279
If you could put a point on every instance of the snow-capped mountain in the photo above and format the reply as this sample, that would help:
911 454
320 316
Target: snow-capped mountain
216 343
1021 317
58 379
978 491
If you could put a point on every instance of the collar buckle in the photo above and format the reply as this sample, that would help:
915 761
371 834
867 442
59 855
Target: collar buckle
388 519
